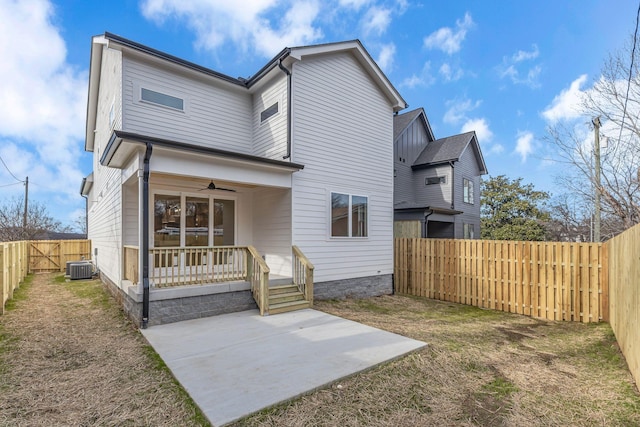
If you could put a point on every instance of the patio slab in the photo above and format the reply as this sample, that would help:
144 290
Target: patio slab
235 364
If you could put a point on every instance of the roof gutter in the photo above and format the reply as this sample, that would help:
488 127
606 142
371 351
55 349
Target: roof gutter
145 237
288 73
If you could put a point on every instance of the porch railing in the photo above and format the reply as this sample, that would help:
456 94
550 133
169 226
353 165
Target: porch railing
131 263
303 273
259 278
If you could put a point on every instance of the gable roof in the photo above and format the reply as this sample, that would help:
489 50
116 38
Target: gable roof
450 149
355 47
404 120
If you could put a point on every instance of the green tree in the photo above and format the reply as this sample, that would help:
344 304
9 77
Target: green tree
511 210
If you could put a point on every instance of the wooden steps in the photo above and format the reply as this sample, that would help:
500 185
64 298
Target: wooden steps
285 298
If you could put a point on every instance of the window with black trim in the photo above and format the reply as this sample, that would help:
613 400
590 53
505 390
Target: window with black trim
349 215
469 231
269 112
467 190
163 99
431 180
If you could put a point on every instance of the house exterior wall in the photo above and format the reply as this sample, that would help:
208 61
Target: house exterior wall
105 213
438 195
270 136
272 228
406 149
467 167
342 133
215 115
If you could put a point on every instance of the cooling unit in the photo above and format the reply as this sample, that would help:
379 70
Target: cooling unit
80 270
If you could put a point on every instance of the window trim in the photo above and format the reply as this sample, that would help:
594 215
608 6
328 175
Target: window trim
139 86
349 217
442 179
468 197
276 103
468 227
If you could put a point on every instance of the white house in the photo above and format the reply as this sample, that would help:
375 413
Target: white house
207 188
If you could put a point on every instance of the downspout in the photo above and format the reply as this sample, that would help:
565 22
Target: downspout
145 237
453 181
288 73
426 223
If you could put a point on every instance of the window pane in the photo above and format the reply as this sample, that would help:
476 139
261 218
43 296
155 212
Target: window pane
271 111
358 216
166 221
224 223
196 222
161 98
339 215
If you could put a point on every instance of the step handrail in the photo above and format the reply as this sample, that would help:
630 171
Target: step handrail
303 274
259 278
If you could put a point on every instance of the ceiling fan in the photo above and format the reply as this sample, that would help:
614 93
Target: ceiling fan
213 186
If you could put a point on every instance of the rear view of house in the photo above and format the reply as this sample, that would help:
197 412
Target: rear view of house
437 181
206 189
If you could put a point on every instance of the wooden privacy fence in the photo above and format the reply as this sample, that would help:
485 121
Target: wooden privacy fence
52 255
13 268
556 281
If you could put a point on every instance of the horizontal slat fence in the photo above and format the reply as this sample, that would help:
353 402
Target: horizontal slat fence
13 268
52 255
624 295
555 281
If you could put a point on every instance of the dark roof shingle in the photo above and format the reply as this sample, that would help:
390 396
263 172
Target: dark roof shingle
444 150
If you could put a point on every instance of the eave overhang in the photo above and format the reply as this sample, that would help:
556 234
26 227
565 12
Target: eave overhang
122 145
87 183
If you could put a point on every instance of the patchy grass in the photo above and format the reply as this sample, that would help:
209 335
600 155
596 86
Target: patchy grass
481 368
68 356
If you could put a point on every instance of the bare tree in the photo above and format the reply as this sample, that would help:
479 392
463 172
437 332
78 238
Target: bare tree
38 221
620 158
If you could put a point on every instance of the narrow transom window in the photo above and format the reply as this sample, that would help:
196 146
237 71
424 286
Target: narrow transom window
163 99
268 112
431 180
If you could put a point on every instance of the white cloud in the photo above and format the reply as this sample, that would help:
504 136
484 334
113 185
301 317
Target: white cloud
458 109
424 79
481 127
44 102
524 145
447 39
245 23
376 21
565 106
523 55
529 77
449 73
353 4
385 58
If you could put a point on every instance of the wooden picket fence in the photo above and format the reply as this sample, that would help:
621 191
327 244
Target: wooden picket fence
13 268
555 281
52 255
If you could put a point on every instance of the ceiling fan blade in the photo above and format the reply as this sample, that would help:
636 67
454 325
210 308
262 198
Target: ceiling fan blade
226 189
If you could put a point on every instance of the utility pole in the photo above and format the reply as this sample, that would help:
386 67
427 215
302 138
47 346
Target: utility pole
26 207
596 151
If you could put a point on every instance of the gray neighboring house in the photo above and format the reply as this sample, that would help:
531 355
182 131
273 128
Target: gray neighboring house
436 181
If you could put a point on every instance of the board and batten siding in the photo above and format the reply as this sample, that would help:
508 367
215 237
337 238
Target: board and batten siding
467 167
105 214
272 228
343 134
270 136
406 149
215 115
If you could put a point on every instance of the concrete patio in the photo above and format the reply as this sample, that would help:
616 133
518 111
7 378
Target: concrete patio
236 364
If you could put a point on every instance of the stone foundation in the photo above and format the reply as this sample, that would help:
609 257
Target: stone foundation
360 287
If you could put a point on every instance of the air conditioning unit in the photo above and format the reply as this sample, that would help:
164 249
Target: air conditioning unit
80 270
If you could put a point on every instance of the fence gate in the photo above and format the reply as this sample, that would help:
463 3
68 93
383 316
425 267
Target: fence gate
52 255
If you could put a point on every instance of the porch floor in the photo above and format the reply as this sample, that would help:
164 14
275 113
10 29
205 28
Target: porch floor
236 364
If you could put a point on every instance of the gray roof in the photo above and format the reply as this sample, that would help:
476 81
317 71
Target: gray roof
401 121
444 150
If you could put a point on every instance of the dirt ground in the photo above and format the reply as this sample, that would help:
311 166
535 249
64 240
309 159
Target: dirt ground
69 357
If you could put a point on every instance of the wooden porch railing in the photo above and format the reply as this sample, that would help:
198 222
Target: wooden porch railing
131 263
259 278
303 273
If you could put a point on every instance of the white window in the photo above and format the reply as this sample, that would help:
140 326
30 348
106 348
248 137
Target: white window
349 215
431 180
159 98
269 112
467 190
469 231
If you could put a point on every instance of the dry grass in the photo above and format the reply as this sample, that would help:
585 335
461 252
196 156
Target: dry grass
481 368
69 357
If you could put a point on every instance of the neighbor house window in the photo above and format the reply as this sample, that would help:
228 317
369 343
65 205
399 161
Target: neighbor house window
349 215
467 190
268 112
431 180
163 99
469 231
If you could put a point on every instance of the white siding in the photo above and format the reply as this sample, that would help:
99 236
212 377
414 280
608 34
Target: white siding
343 134
272 228
131 216
215 115
105 215
270 136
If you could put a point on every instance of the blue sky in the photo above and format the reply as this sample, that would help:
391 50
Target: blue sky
506 69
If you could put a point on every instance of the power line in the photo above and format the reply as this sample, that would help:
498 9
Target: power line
9 185
8 170
633 54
